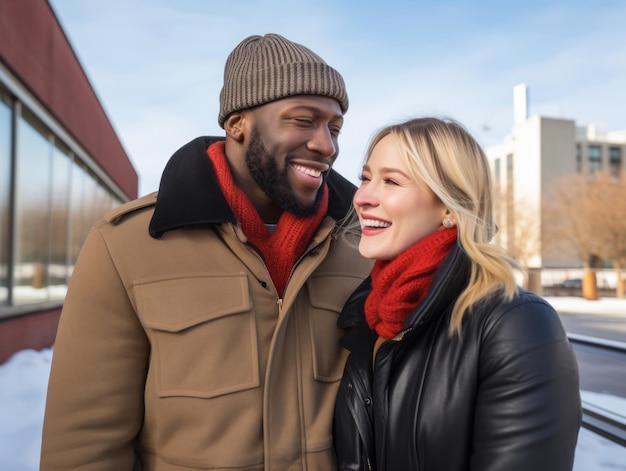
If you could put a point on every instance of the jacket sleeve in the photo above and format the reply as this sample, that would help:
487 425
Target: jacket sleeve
528 409
95 393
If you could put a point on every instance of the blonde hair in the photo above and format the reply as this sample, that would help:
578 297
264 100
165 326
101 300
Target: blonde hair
443 156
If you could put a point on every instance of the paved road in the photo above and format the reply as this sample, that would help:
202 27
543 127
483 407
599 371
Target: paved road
600 371
609 327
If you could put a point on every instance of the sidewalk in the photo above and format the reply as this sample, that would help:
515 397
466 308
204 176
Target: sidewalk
604 306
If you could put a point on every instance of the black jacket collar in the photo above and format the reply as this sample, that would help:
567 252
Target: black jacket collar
450 279
189 193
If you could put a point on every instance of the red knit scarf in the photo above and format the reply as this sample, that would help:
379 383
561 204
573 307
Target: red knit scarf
282 248
399 285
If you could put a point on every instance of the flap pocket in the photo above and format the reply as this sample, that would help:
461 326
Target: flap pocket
203 334
327 295
331 292
175 304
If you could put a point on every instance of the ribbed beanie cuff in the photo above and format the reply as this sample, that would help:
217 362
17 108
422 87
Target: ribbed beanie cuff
262 69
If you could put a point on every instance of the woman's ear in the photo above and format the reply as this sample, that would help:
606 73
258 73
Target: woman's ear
448 219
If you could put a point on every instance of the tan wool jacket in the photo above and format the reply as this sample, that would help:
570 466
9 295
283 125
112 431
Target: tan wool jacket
174 351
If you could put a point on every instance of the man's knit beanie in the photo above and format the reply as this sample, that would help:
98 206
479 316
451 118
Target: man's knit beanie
266 68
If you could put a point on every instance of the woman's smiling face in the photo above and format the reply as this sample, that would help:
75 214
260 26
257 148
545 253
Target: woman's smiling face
395 211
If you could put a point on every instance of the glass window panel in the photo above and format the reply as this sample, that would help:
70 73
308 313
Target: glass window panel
497 170
5 187
510 228
103 202
32 214
58 273
615 161
90 206
79 177
594 155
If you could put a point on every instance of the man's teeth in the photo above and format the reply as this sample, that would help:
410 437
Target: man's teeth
309 171
375 223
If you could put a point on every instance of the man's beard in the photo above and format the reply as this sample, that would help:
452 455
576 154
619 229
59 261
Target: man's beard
274 182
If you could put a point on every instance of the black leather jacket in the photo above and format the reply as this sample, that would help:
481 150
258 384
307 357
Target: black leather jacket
504 395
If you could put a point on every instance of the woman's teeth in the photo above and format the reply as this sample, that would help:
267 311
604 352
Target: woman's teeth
375 223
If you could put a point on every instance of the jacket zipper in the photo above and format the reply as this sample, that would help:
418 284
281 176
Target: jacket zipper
304 254
402 334
259 256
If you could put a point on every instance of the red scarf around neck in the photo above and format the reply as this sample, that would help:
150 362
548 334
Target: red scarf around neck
282 248
399 285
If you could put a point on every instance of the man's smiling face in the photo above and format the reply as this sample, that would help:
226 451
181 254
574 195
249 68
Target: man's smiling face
291 148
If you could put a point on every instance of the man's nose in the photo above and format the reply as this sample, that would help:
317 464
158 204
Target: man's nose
323 142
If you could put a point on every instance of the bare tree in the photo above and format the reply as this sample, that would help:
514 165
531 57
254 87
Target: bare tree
570 217
584 218
610 199
521 237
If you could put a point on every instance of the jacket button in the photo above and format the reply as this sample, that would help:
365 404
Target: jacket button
263 284
313 253
368 401
349 385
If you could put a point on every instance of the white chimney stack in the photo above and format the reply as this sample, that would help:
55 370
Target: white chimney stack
520 103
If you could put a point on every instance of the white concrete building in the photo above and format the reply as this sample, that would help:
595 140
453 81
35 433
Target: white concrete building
538 150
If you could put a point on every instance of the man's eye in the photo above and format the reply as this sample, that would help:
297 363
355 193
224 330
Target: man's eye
336 130
304 120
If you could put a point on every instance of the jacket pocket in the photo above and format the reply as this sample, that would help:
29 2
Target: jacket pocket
327 295
203 334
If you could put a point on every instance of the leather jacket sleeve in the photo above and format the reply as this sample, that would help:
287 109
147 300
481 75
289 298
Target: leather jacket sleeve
528 408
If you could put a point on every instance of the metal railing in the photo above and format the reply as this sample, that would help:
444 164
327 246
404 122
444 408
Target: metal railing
598 419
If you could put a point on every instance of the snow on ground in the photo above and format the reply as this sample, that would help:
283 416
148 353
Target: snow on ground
23 383
606 306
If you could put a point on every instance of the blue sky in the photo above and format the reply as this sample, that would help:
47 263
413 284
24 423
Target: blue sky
157 65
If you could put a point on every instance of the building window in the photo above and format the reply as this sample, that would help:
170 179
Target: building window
32 192
509 169
579 159
595 158
48 203
6 116
58 262
497 169
510 201
615 161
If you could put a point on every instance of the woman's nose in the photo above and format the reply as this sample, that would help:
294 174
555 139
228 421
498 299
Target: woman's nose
364 196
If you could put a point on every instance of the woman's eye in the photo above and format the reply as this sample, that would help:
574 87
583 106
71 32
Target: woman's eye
390 182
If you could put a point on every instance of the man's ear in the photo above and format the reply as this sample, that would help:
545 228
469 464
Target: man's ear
234 126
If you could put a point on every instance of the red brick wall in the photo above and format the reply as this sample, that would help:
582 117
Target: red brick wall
32 331
34 47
